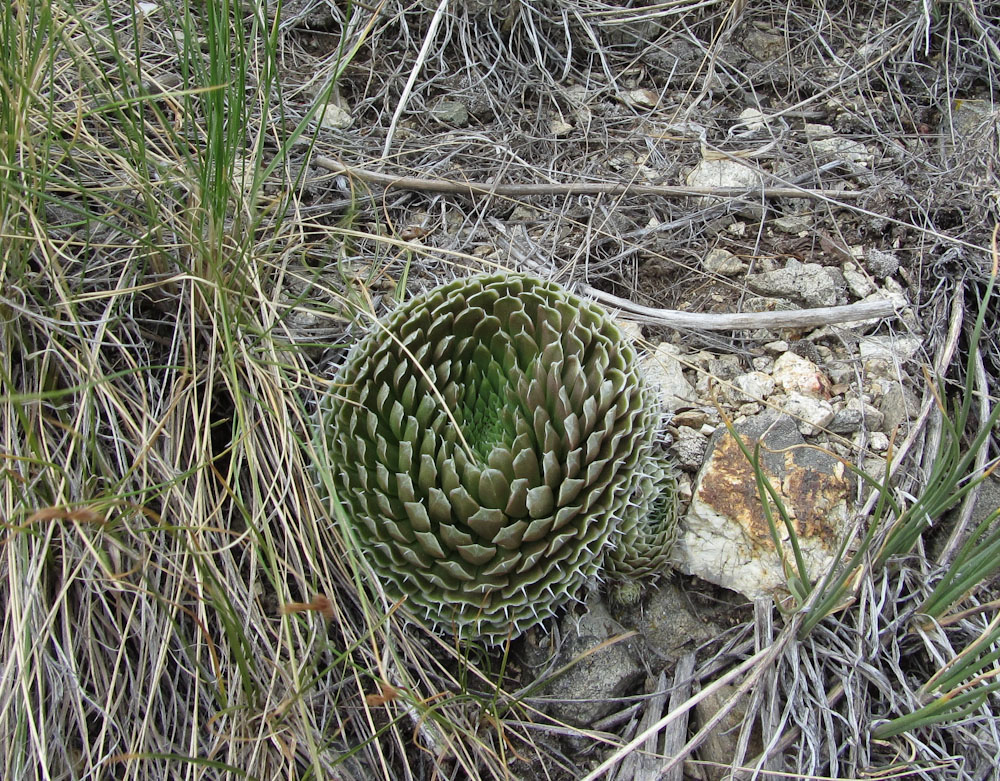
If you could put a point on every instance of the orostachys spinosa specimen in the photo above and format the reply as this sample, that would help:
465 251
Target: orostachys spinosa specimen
493 447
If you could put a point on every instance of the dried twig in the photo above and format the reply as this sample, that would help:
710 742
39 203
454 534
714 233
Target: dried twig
573 188
701 321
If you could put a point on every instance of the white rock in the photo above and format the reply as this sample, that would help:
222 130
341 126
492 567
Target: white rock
793 223
765 45
842 149
560 128
685 487
642 97
810 414
688 448
752 119
895 349
334 116
796 374
818 131
752 386
857 282
723 173
664 370
630 328
809 283
889 291
723 262
451 112
878 442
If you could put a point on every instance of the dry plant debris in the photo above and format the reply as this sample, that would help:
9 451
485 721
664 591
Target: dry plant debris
180 275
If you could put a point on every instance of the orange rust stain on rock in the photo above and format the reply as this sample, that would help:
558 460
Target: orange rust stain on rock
808 494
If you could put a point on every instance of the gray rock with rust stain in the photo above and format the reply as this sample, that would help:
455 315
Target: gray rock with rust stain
725 538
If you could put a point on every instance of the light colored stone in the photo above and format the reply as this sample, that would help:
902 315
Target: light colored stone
777 348
793 223
810 414
684 487
560 128
753 119
665 371
723 262
796 374
842 149
723 173
688 448
878 442
764 45
818 131
696 418
451 112
857 282
751 387
630 329
725 538
335 117
890 291
894 349
646 98
809 283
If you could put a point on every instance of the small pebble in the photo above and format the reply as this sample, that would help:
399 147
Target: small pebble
878 442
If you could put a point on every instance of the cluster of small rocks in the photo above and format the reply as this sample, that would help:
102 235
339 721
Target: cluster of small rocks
843 390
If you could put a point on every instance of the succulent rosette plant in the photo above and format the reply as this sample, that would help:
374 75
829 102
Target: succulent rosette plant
493 447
